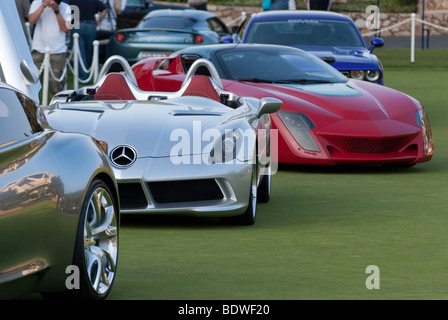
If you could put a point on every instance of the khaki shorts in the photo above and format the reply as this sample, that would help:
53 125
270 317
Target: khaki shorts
57 62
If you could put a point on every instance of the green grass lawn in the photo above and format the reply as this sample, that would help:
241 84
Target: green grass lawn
319 232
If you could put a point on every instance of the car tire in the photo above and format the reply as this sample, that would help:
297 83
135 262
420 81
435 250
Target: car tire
249 216
96 249
264 188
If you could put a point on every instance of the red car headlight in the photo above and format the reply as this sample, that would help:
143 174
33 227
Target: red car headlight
299 125
423 121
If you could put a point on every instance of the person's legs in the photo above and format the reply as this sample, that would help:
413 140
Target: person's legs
279 5
87 34
58 62
319 4
90 37
38 58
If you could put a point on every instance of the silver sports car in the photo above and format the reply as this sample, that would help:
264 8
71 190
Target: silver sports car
59 206
199 151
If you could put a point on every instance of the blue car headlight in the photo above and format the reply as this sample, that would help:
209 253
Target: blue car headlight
369 75
372 75
299 125
357 74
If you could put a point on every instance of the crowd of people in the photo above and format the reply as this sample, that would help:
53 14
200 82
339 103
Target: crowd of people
292 4
50 21
97 18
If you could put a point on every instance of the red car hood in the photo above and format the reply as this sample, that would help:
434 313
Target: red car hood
365 108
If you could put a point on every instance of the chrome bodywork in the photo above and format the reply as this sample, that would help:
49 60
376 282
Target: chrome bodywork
43 183
17 67
156 172
50 183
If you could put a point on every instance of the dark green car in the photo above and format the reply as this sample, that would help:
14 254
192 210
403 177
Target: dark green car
162 32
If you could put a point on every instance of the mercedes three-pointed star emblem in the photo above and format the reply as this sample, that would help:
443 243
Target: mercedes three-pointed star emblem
123 156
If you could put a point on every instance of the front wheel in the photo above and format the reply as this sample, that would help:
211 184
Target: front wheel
96 249
264 189
248 217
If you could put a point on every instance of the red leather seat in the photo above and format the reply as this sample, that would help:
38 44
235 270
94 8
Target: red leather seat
114 87
201 86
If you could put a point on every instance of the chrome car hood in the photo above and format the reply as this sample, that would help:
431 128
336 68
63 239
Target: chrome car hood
152 128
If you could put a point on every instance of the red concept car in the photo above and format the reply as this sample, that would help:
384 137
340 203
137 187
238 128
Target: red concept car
326 118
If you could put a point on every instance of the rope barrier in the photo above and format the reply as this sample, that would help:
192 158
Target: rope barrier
74 56
413 19
386 29
431 24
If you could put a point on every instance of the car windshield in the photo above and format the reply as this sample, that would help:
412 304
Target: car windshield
167 23
305 32
274 65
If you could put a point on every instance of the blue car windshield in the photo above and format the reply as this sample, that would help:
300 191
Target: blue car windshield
272 64
305 32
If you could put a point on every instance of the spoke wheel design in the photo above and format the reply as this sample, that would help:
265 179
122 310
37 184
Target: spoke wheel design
98 255
100 241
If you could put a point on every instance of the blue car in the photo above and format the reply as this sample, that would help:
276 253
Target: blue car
331 36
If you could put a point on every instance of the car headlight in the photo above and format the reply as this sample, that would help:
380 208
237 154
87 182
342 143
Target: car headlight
226 148
357 74
422 120
372 75
299 125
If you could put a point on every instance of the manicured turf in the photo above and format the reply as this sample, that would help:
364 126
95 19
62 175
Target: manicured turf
322 228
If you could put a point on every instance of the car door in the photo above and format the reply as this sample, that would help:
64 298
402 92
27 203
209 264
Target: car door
27 193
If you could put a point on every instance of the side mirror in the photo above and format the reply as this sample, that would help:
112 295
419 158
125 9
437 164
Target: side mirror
376 42
268 105
29 72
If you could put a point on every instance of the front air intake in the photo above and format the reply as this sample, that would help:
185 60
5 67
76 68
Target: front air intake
185 191
370 145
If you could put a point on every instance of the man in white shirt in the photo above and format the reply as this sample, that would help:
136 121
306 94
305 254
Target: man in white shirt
51 19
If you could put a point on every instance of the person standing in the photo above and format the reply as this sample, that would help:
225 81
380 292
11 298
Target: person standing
292 4
50 19
279 4
23 8
198 4
318 4
87 28
266 5
109 24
